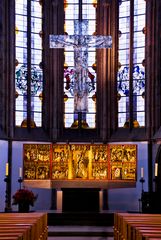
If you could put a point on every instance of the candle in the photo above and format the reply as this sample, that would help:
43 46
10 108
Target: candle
156 169
7 166
142 172
20 172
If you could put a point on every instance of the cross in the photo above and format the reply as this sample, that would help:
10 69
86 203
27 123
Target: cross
80 42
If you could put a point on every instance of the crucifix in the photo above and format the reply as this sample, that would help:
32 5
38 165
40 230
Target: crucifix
80 41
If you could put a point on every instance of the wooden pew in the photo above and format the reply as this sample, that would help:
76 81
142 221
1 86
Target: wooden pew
130 226
124 219
41 219
151 238
16 229
136 226
18 235
146 234
26 226
10 238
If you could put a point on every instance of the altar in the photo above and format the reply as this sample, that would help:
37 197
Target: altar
79 174
80 200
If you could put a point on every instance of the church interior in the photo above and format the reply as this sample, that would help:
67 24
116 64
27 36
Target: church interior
80 118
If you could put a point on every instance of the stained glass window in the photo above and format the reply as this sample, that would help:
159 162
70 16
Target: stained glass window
131 73
75 11
28 63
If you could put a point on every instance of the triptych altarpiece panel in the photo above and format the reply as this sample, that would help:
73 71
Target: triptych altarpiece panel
80 161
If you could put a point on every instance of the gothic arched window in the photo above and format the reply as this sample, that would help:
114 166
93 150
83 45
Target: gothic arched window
80 64
131 63
28 69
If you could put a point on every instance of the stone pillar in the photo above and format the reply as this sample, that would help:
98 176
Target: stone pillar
105 199
53 199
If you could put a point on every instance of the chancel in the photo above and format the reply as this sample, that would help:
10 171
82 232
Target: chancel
80 122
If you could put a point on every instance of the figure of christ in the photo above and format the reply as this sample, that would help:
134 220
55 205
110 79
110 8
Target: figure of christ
80 42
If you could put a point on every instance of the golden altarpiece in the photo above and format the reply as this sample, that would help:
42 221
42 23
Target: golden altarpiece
80 162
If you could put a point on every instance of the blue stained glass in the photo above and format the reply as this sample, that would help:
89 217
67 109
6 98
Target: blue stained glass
21 80
138 76
21 53
138 80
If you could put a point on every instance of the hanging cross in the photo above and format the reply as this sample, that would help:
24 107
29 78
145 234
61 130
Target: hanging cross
80 42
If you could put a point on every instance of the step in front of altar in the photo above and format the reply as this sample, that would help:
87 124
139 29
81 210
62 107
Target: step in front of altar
81 218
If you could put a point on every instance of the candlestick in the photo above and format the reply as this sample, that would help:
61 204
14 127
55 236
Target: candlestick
156 169
20 172
142 172
20 180
7 194
142 180
7 167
